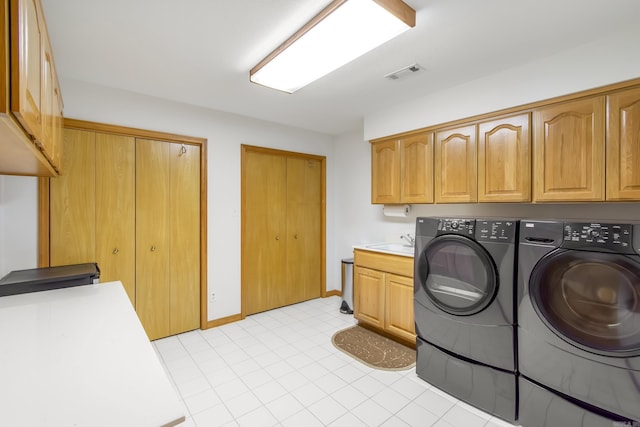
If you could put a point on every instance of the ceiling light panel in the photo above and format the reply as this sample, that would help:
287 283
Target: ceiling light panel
343 31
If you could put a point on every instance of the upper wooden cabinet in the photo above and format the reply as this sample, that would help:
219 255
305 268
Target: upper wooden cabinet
504 160
455 165
402 170
623 145
30 99
385 171
416 168
568 146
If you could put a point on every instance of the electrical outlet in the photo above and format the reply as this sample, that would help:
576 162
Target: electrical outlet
212 297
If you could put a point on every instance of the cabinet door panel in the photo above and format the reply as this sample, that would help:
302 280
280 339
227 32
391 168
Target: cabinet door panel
399 319
115 210
304 228
368 296
569 151
504 160
455 165
185 237
385 173
153 181
623 146
27 88
72 225
264 233
416 168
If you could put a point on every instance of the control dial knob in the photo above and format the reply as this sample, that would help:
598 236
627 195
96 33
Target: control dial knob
592 232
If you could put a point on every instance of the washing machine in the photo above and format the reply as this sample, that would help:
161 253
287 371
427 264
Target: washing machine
579 323
464 308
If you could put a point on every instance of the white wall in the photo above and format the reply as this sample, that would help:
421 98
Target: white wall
18 223
225 134
608 60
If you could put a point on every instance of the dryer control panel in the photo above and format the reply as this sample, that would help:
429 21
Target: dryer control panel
466 227
496 231
606 236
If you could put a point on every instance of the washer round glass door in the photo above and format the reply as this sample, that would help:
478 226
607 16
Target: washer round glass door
458 275
590 299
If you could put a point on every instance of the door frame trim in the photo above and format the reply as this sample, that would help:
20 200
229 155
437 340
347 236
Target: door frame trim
44 189
323 221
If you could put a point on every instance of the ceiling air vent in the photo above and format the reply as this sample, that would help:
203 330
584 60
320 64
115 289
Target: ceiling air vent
404 72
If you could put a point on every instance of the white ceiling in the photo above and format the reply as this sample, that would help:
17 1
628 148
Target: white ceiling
200 51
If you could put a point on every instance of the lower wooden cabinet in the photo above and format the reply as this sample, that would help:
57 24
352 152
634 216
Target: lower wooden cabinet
383 293
398 307
368 296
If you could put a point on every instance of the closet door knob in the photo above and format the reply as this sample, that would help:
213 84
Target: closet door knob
115 251
277 237
295 236
153 248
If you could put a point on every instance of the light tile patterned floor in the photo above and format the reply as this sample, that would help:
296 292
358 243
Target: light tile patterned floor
279 368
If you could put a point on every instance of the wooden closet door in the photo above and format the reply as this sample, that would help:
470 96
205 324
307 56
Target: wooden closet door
153 257
304 228
115 210
184 218
264 236
72 202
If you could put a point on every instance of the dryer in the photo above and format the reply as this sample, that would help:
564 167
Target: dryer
464 310
579 323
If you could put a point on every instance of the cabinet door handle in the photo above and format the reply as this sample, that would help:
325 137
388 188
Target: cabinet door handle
183 150
115 251
295 236
153 248
277 237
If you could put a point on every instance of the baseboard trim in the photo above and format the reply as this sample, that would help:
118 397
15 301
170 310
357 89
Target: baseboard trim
333 292
223 321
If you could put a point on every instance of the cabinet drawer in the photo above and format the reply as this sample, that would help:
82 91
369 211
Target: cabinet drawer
396 264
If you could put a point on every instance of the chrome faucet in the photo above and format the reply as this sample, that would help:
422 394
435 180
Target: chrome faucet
409 238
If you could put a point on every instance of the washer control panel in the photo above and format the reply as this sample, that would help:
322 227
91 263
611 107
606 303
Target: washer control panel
607 236
466 227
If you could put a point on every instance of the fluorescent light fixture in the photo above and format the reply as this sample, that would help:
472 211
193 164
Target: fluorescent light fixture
343 31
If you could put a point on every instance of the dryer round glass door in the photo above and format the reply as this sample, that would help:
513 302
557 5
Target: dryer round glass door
458 275
590 299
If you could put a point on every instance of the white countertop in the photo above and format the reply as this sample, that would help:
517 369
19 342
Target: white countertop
80 357
387 248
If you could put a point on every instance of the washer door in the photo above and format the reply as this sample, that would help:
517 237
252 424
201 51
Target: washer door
590 299
458 275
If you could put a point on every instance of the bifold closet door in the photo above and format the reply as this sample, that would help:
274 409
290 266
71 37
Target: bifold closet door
304 216
115 210
153 180
184 220
167 237
92 217
264 237
281 231
72 223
